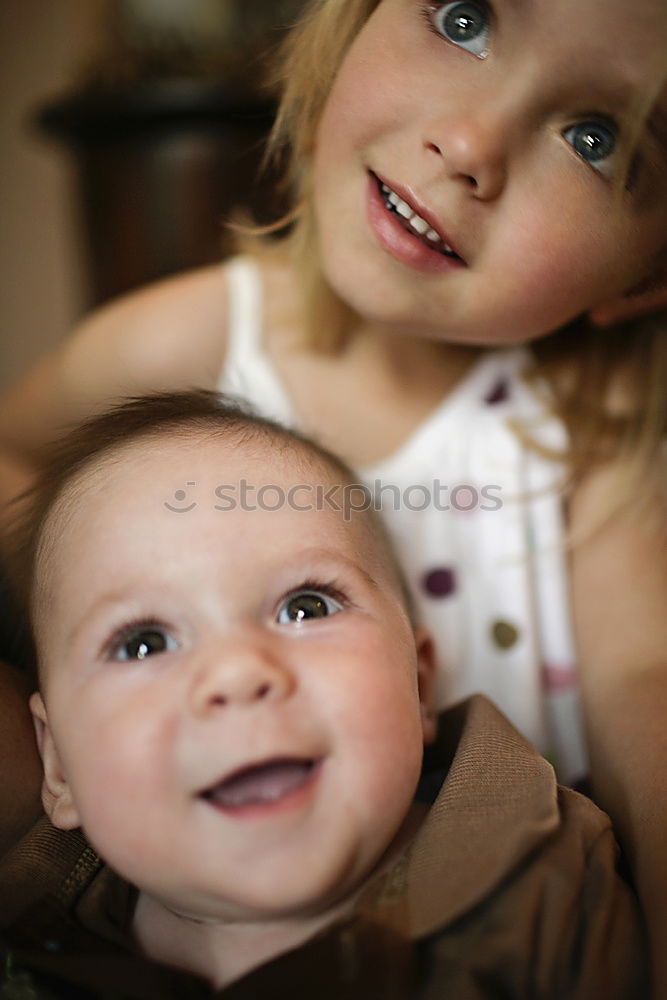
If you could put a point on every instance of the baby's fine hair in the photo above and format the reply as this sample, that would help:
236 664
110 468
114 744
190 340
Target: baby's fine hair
582 364
195 412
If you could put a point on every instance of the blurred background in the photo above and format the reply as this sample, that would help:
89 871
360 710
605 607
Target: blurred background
129 131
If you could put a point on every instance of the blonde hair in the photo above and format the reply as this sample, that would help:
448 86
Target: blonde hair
608 385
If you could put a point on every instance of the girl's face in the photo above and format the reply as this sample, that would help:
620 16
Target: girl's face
471 178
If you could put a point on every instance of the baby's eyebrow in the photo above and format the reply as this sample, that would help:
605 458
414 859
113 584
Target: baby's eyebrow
119 598
324 559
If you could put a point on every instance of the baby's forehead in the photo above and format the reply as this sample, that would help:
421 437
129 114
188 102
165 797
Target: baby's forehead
188 451
112 524
182 469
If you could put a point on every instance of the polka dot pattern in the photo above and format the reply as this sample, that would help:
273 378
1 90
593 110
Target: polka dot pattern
439 582
504 635
498 393
558 677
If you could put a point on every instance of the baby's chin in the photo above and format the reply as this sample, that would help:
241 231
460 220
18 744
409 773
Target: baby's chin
324 898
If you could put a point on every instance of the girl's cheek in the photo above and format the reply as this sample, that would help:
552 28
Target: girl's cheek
575 251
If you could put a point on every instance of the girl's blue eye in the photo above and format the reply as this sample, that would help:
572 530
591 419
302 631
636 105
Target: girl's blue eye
464 23
593 141
305 605
141 642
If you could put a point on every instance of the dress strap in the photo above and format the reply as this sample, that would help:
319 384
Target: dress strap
247 372
244 285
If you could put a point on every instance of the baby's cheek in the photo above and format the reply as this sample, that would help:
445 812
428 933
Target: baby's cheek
109 800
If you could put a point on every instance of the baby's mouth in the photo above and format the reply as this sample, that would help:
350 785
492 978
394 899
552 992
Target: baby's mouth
261 784
414 223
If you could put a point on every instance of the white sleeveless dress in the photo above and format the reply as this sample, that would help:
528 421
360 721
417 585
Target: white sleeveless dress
488 574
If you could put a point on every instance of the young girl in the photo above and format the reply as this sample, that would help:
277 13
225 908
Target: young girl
480 214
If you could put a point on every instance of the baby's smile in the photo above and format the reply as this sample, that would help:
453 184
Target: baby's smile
258 788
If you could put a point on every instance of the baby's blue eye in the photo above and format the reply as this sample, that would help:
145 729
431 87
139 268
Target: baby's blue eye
140 642
304 605
593 141
464 23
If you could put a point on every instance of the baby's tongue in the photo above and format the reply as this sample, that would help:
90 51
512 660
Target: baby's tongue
265 783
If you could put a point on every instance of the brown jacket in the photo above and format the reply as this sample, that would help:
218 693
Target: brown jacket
509 890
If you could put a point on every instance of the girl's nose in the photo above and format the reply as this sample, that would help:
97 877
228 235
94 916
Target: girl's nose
473 151
240 673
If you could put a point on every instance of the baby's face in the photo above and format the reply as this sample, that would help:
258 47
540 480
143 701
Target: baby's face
232 693
501 130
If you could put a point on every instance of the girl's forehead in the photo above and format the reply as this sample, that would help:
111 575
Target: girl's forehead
615 49
639 26
622 38
633 27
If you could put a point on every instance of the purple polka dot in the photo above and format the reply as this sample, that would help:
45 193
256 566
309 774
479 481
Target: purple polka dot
440 582
498 393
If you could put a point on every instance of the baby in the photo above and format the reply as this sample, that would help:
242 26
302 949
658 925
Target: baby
232 711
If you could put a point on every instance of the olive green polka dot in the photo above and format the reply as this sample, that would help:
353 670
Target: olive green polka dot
505 635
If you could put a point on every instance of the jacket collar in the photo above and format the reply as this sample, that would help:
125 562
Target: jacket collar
497 804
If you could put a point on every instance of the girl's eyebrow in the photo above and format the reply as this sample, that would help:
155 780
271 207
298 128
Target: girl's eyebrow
656 126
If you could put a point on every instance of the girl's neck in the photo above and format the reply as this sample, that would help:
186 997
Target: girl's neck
406 355
364 400
410 361
367 400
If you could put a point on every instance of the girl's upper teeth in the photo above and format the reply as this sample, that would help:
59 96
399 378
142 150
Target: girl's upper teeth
420 226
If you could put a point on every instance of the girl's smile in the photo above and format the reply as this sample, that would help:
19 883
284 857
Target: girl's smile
409 233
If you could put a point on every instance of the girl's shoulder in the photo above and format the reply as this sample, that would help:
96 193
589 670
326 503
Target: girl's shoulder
169 335
619 572
169 332
174 332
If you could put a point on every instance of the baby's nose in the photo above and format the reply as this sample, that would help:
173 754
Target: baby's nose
240 673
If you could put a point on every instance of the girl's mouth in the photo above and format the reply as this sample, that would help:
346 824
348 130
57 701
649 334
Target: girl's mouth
414 223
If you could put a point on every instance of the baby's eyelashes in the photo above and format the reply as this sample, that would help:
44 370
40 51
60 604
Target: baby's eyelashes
139 640
149 636
309 603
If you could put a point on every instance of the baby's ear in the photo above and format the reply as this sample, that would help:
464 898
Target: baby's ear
426 680
56 795
646 298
